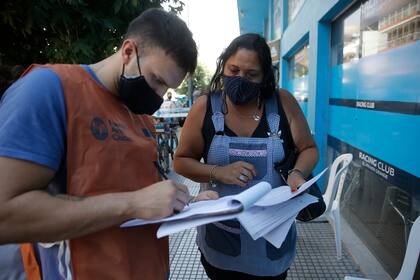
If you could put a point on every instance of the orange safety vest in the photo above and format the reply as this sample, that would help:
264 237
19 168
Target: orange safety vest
109 149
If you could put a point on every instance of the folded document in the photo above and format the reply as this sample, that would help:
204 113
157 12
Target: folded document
261 210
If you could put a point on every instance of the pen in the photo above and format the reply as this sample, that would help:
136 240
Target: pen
161 172
163 175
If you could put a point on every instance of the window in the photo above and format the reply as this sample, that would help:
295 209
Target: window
346 37
298 77
374 26
293 8
277 24
267 28
389 24
299 64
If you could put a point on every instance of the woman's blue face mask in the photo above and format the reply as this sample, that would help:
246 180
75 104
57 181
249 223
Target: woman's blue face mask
240 90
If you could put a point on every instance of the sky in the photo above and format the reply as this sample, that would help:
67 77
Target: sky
214 24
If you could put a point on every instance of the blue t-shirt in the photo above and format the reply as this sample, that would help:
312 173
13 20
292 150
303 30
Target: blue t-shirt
33 118
33 127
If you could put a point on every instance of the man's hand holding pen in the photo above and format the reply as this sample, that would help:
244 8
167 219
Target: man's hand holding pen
159 200
180 202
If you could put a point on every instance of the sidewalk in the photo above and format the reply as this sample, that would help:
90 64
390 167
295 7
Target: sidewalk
315 258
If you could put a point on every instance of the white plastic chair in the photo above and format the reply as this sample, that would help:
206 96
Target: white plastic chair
332 197
411 257
402 203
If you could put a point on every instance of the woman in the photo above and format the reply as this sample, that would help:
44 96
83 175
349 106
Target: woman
237 130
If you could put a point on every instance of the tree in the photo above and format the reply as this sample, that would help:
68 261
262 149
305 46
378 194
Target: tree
201 79
67 31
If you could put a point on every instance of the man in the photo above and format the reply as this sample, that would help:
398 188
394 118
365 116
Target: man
169 104
77 159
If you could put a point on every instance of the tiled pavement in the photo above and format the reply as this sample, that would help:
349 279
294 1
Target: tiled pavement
315 258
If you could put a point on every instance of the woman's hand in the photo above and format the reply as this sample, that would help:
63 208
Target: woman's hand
206 195
295 180
237 173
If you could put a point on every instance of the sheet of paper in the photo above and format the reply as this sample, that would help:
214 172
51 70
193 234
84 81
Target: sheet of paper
283 193
169 228
222 206
225 205
260 210
172 227
278 235
245 199
275 196
259 221
296 204
253 194
309 183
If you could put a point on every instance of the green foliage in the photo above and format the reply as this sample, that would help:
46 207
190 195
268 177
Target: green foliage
67 31
201 79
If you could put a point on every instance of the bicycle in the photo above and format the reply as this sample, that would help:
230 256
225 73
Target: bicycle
167 141
173 138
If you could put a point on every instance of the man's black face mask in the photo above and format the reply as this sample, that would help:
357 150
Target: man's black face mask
136 93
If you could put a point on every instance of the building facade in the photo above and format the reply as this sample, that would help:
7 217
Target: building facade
354 68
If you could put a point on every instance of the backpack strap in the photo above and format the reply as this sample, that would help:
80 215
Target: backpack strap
284 125
273 117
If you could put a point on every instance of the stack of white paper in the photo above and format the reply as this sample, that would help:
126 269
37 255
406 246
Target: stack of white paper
260 221
262 211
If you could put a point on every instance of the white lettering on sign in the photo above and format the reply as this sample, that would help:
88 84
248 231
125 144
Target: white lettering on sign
368 159
365 104
386 168
376 165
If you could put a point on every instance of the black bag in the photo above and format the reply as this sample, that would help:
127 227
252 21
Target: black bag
313 210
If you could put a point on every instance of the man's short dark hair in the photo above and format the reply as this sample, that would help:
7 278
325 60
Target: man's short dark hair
158 28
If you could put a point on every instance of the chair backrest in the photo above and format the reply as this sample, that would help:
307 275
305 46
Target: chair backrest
336 179
411 257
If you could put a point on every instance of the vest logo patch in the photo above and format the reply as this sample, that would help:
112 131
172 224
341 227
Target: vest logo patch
118 131
99 129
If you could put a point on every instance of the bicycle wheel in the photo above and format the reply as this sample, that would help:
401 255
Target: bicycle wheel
173 143
162 151
174 140
160 158
165 155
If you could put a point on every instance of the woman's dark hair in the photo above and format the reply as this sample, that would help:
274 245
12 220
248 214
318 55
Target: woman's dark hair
253 42
158 28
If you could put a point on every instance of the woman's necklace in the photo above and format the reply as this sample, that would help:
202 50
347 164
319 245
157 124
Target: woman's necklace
256 116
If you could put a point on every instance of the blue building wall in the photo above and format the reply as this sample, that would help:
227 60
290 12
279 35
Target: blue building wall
372 78
391 80
253 16
304 29
308 27
369 107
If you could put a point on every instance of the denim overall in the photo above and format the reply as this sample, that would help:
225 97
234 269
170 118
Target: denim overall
226 245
